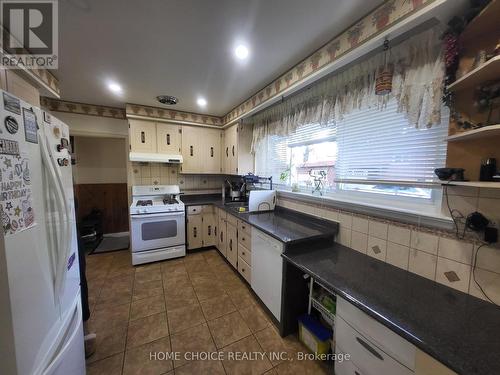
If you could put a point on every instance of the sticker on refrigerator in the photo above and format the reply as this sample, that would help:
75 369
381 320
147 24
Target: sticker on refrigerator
11 124
11 103
8 146
30 126
16 207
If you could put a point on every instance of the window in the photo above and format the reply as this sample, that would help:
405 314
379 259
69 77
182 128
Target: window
368 145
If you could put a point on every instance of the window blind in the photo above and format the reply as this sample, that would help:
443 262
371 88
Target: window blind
378 144
273 153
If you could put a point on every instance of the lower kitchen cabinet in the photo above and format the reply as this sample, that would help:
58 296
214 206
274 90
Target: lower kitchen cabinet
222 236
194 231
245 270
201 227
232 245
426 365
374 349
209 229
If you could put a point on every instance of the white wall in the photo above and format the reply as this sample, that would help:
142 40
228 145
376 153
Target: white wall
100 160
93 126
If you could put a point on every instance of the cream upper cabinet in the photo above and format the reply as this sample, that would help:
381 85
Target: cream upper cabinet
236 155
168 138
21 88
190 150
212 148
142 136
201 150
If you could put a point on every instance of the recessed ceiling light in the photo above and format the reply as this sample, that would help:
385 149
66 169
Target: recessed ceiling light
202 102
241 52
115 87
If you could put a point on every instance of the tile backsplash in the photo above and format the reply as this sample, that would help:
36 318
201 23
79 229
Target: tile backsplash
168 174
435 254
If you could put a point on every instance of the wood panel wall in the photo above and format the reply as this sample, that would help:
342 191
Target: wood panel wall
111 199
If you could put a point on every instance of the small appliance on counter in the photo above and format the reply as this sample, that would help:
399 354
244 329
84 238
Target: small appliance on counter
235 191
239 191
488 170
262 200
450 174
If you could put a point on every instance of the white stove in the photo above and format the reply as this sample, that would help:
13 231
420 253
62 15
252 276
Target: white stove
157 220
156 198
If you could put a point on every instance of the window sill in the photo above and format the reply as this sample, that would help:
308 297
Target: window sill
428 219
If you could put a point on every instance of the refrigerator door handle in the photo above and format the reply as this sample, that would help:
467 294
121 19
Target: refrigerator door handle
66 243
53 180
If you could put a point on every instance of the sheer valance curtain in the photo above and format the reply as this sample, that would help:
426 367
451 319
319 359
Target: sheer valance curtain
417 85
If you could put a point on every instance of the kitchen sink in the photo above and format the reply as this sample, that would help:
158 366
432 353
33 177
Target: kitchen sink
238 207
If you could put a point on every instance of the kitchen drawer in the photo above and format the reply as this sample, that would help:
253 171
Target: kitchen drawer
245 227
245 254
346 367
232 220
208 209
245 239
370 358
391 343
245 270
194 210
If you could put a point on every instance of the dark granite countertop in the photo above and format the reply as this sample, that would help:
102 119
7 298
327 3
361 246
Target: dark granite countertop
461 331
287 226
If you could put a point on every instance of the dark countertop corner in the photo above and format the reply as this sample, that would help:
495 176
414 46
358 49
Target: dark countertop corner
459 330
287 226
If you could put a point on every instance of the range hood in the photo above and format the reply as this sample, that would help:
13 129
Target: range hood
155 158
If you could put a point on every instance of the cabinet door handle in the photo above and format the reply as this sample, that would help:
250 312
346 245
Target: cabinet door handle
243 253
243 238
211 152
368 347
195 232
191 150
143 137
209 230
215 231
233 150
243 227
221 236
168 139
227 151
242 270
231 244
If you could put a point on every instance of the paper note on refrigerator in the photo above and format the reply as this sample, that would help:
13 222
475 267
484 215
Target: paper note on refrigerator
16 208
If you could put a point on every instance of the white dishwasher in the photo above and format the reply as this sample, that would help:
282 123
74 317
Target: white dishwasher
267 270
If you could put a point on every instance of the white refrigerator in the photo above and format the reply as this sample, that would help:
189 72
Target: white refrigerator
41 329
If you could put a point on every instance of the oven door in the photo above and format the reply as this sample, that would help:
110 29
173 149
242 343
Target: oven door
156 231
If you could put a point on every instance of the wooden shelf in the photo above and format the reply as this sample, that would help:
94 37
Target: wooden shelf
490 70
486 131
479 184
486 21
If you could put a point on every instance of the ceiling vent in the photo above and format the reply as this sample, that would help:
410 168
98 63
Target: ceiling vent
167 99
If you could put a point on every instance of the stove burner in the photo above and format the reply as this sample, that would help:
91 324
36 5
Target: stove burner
170 200
148 202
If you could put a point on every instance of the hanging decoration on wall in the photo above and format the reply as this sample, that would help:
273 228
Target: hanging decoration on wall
383 82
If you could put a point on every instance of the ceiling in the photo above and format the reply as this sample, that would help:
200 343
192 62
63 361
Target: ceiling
185 47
